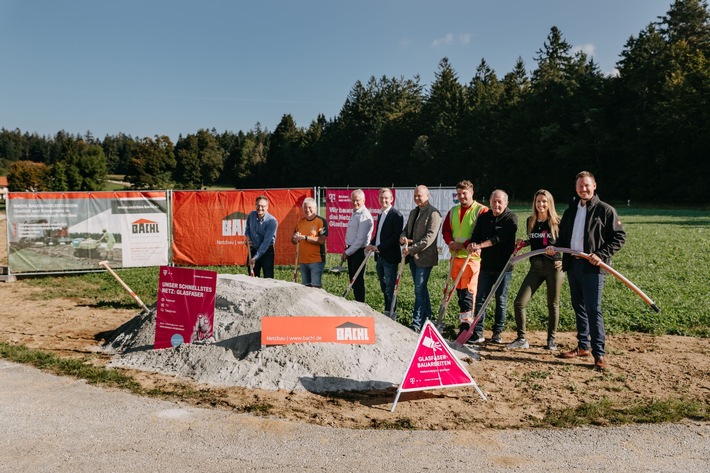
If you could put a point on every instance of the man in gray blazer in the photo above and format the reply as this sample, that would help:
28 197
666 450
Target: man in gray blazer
420 235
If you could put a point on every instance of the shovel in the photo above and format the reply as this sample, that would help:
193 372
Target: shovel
251 267
357 273
338 269
442 307
393 316
466 334
146 310
295 266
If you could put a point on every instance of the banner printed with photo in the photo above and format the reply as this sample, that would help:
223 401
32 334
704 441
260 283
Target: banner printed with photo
65 231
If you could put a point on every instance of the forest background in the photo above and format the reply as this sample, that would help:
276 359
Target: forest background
644 132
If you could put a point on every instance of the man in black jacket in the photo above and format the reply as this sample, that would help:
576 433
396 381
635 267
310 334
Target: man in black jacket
385 244
593 227
494 237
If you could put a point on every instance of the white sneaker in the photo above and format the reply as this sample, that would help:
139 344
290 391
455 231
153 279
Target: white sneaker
518 343
475 339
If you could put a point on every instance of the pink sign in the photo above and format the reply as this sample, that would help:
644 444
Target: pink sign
339 208
433 364
185 305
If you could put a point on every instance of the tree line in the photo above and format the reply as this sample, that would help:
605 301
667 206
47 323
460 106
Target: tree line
642 131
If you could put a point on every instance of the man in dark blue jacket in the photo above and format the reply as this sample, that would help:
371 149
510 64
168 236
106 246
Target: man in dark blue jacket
593 227
261 237
385 244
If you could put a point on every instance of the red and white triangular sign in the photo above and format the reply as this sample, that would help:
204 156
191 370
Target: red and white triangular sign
434 366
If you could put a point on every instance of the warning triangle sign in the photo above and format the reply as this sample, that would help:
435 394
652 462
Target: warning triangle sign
433 365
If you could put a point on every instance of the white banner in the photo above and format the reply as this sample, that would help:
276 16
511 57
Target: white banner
443 198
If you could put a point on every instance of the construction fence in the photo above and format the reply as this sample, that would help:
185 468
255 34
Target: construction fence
65 232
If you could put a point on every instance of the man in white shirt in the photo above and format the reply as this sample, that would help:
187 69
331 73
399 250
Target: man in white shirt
592 227
357 236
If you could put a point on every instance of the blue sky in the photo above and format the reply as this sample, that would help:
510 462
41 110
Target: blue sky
150 67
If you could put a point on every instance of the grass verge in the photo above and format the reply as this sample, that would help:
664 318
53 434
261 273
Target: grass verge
78 368
606 413
104 377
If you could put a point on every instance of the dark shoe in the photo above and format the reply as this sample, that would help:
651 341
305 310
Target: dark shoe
496 338
551 344
518 344
600 363
576 352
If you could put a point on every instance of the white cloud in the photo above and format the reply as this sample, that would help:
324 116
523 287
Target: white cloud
405 42
450 38
588 49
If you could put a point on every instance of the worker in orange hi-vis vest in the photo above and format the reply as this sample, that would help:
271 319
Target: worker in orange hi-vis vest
456 231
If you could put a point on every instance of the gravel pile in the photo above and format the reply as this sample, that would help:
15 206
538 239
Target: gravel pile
236 358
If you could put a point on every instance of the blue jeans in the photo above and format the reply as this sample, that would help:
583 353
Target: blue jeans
422 302
585 289
387 274
486 280
311 274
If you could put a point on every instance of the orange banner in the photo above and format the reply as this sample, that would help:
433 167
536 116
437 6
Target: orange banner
314 329
208 226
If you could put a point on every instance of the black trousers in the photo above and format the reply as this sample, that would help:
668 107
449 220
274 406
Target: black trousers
265 263
354 262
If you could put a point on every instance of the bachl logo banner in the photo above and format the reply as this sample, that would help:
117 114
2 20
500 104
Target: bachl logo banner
350 331
234 224
284 330
143 226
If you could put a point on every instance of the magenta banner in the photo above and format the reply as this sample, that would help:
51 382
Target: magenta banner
185 308
339 208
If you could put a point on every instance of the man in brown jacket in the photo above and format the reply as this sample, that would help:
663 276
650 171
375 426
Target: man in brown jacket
420 234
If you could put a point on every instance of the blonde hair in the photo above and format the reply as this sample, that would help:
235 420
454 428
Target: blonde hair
552 218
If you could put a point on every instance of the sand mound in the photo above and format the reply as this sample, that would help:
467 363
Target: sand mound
236 358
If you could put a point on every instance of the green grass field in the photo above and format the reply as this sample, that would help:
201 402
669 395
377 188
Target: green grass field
667 255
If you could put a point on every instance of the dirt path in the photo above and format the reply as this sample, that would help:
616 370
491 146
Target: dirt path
67 425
